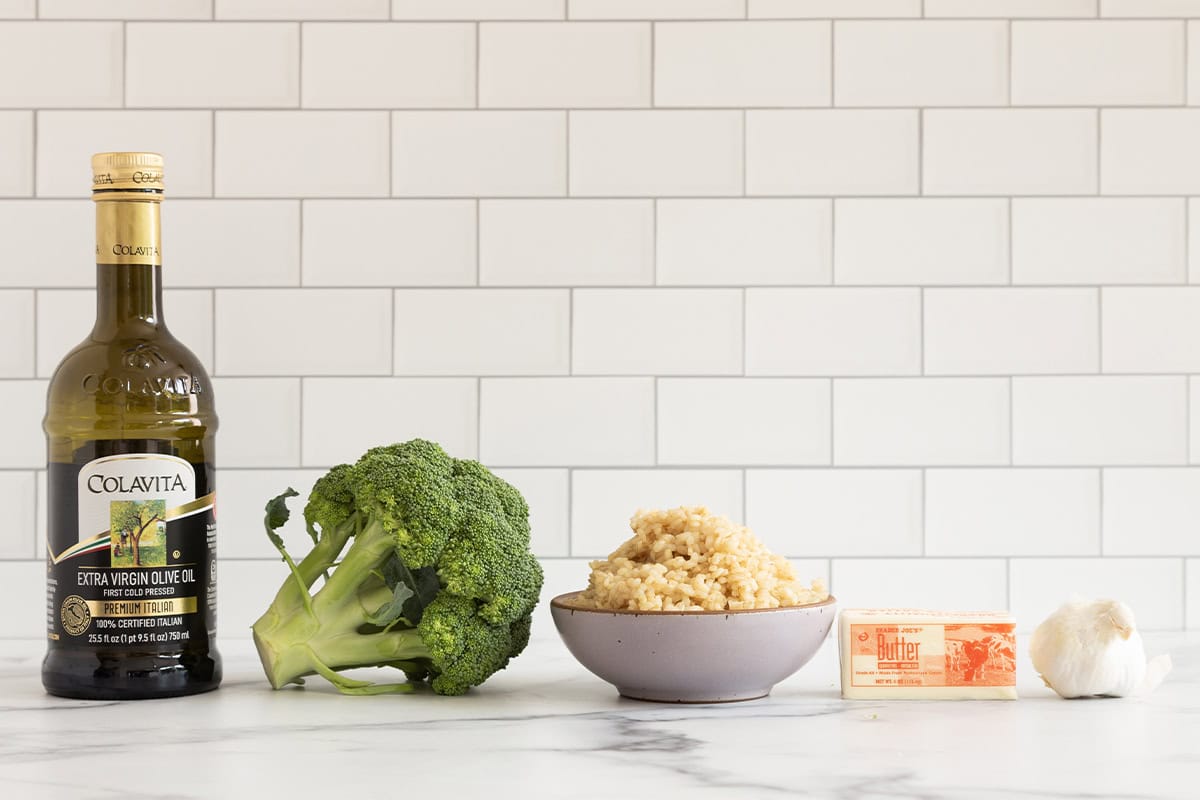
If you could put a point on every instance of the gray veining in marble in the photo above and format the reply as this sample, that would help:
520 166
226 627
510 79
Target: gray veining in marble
547 728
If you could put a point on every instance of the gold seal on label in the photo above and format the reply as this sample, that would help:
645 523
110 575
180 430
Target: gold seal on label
76 616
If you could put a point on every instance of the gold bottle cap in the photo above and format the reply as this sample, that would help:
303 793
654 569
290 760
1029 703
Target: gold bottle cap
127 172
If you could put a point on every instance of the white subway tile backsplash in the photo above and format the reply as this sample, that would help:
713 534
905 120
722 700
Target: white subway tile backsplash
566 242
822 512
1010 151
1149 8
921 421
426 65
478 9
19 581
833 331
211 242
1191 591
558 421
66 141
270 153
61 64
548 492
246 588
539 65
170 64
312 332
1077 63
334 428
744 241
657 332
17 332
670 251
1152 587
27 9
1002 512
464 154
260 421
902 63
1151 512
1011 8
1099 420
833 152
920 241
1151 329
389 242
24 404
656 9
301 9
1011 331
18 493
656 152
742 64
971 583
1149 151
244 494
604 501
723 421
1098 240
834 8
16 139
482 332
64 319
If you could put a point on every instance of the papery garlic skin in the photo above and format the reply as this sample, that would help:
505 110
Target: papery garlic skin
1089 648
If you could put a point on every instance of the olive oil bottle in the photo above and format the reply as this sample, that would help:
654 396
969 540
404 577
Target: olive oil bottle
131 540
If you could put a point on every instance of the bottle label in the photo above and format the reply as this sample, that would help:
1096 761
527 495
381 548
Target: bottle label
137 569
128 232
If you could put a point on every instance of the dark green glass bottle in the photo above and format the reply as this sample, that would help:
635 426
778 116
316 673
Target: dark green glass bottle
130 426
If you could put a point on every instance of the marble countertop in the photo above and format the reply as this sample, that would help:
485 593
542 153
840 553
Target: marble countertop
546 728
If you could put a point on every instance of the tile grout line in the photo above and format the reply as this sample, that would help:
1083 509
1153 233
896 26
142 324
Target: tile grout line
920 152
832 62
1008 44
300 28
653 59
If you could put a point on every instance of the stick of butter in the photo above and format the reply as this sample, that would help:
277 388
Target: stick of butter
901 653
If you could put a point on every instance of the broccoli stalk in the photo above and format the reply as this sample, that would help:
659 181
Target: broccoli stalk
426 569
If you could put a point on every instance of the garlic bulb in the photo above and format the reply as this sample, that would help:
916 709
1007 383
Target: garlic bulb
1088 648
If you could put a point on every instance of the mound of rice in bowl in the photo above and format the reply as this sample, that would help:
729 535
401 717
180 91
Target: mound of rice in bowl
686 559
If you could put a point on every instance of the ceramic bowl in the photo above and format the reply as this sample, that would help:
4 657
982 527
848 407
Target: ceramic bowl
693 656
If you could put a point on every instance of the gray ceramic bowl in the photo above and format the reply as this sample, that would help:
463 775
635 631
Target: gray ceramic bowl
693 656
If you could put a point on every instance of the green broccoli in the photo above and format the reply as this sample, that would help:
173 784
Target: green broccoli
426 568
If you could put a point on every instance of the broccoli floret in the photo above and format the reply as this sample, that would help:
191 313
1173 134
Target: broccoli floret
426 567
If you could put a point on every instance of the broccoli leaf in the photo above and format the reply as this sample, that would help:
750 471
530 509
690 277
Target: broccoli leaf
392 611
277 516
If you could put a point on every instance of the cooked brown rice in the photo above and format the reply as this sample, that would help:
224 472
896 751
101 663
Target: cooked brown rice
686 559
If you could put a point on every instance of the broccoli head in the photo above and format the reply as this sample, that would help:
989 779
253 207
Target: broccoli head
425 567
